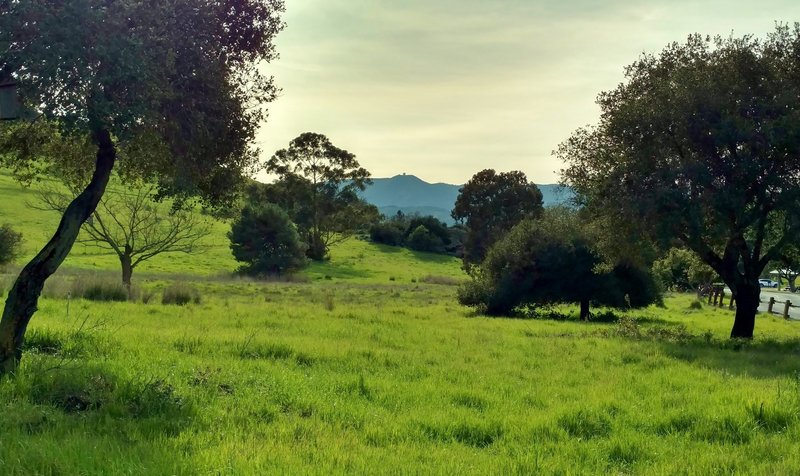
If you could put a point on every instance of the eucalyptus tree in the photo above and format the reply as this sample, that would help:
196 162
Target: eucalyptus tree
701 144
160 90
318 186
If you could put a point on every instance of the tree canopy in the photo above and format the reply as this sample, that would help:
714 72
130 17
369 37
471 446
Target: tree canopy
318 186
700 143
490 204
171 89
551 260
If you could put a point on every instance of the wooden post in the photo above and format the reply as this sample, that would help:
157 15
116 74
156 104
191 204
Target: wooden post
786 309
771 304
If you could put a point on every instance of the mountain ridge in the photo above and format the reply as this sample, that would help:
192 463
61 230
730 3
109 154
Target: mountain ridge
411 194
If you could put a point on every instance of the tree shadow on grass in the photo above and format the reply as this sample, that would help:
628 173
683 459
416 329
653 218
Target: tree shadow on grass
758 359
108 413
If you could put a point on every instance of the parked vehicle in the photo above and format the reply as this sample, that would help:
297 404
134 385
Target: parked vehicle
767 283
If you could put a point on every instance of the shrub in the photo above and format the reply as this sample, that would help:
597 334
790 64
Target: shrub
180 294
551 261
421 239
387 233
10 244
98 288
266 241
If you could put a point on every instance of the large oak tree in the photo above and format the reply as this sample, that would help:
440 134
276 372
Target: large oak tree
168 90
701 143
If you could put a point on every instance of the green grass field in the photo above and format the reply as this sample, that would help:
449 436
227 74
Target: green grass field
369 368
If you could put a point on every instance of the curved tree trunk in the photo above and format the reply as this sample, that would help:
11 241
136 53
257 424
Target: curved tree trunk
748 297
23 297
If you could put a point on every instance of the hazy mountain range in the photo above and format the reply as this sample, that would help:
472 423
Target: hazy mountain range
414 195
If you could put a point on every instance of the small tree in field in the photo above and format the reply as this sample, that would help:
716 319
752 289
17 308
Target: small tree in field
317 187
265 239
134 226
10 242
549 261
173 89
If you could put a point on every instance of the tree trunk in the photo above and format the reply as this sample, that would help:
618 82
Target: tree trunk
747 300
585 310
127 272
23 297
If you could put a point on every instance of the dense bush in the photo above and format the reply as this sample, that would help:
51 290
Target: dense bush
10 244
550 261
422 239
265 239
387 233
180 294
419 233
434 227
681 270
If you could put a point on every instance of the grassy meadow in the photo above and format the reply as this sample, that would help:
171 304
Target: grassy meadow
368 364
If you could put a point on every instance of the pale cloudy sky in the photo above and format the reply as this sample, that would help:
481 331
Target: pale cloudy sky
444 88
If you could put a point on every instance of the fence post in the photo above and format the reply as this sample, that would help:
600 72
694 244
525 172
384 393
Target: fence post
786 309
771 304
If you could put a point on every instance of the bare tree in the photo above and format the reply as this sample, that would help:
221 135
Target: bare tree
133 225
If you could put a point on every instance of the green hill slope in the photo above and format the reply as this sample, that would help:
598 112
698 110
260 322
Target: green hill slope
353 260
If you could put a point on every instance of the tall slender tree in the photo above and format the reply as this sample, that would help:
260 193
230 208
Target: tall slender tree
318 186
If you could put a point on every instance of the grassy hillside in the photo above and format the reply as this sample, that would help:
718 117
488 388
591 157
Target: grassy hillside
369 367
348 260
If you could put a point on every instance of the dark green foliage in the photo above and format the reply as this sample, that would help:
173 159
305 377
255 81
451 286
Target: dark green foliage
265 239
699 144
422 239
387 233
490 204
181 294
434 226
419 233
318 187
682 270
10 242
548 261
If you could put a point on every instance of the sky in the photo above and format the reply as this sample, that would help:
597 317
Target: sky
442 89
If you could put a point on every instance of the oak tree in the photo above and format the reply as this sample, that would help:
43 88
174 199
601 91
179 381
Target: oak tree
168 91
701 143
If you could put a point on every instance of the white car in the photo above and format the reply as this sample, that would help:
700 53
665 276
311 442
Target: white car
767 283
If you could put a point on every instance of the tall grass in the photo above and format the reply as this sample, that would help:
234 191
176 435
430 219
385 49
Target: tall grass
396 378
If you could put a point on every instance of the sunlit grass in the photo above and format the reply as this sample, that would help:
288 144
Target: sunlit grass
396 377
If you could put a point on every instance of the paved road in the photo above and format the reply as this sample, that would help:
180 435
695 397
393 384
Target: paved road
780 298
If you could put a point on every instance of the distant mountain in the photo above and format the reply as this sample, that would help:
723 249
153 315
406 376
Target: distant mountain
414 195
